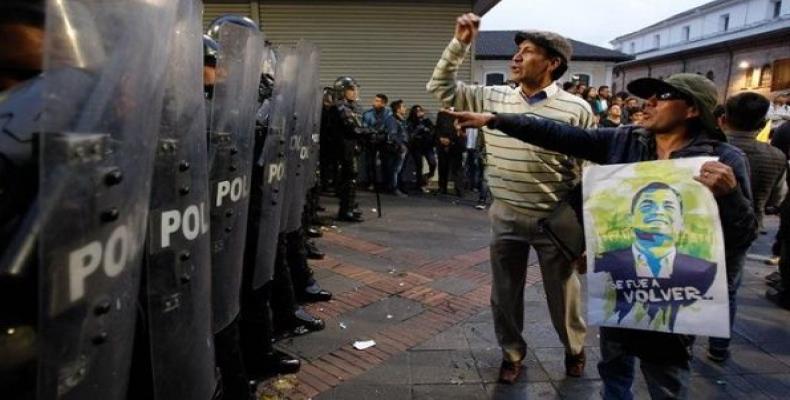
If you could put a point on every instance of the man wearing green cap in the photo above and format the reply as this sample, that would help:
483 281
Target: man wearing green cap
529 185
678 123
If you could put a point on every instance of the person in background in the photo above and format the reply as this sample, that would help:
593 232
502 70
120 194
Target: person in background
422 142
450 150
613 117
397 148
635 115
590 94
376 118
779 111
744 117
571 87
474 167
603 101
581 90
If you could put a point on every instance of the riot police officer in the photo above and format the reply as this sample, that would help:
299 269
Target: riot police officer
346 120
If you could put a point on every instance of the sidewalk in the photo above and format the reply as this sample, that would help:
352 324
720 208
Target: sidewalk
417 282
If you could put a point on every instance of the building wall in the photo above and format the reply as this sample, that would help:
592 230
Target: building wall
389 47
729 72
706 24
600 72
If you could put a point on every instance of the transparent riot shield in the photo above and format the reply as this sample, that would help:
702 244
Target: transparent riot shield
231 132
314 117
286 124
271 166
178 257
297 138
103 86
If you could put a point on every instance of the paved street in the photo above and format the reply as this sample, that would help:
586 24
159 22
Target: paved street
417 282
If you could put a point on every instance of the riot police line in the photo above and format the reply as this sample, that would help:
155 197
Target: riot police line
153 201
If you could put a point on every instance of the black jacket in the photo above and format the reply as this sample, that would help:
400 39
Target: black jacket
628 144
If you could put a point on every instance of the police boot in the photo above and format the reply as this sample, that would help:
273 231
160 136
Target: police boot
313 232
279 363
312 251
301 323
314 293
349 216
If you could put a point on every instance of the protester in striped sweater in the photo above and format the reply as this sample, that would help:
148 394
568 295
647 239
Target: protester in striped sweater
528 184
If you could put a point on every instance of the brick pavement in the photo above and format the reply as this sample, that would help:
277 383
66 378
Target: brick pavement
424 299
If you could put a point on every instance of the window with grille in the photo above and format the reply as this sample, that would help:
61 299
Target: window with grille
780 75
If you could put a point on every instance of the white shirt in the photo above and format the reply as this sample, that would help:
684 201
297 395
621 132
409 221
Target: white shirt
643 268
471 138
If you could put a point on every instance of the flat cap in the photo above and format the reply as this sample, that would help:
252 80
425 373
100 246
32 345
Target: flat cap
548 40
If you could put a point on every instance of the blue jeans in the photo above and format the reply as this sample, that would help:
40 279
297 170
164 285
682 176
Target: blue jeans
395 163
734 277
664 381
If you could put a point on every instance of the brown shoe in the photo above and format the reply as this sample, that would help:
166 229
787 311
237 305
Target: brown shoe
574 365
510 371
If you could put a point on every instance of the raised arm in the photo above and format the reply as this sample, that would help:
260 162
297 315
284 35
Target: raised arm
444 84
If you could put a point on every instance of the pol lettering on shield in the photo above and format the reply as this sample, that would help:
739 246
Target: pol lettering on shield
85 261
192 222
237 188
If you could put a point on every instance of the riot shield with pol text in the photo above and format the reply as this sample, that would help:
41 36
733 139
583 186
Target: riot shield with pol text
300 140
178 257
268 182
103 87
231 130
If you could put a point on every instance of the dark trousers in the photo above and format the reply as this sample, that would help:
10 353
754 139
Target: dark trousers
474 169
417 154
256 328
329 166
348 179
296 258
283 302
734 277
450 164
664 380
234 379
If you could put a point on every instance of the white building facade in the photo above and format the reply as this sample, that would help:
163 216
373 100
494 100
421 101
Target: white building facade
739 44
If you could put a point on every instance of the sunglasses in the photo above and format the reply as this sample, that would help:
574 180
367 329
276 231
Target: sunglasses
671 95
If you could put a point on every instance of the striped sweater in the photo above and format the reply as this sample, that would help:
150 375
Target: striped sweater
528 178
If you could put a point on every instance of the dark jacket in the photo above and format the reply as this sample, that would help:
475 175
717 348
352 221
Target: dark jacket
445 128
628 144
421 134
767 166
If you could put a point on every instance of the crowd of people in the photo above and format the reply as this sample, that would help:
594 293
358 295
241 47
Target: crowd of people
402 141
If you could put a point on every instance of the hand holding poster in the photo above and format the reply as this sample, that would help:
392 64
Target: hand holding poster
655 249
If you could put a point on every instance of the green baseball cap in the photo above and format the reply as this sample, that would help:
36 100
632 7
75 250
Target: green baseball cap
700 90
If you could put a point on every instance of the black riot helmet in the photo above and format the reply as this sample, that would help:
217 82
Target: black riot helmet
344 82
213 28
210 51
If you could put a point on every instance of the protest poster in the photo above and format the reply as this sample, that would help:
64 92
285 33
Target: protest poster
655 249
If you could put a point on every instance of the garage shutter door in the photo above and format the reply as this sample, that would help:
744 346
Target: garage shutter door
216 8
388 46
